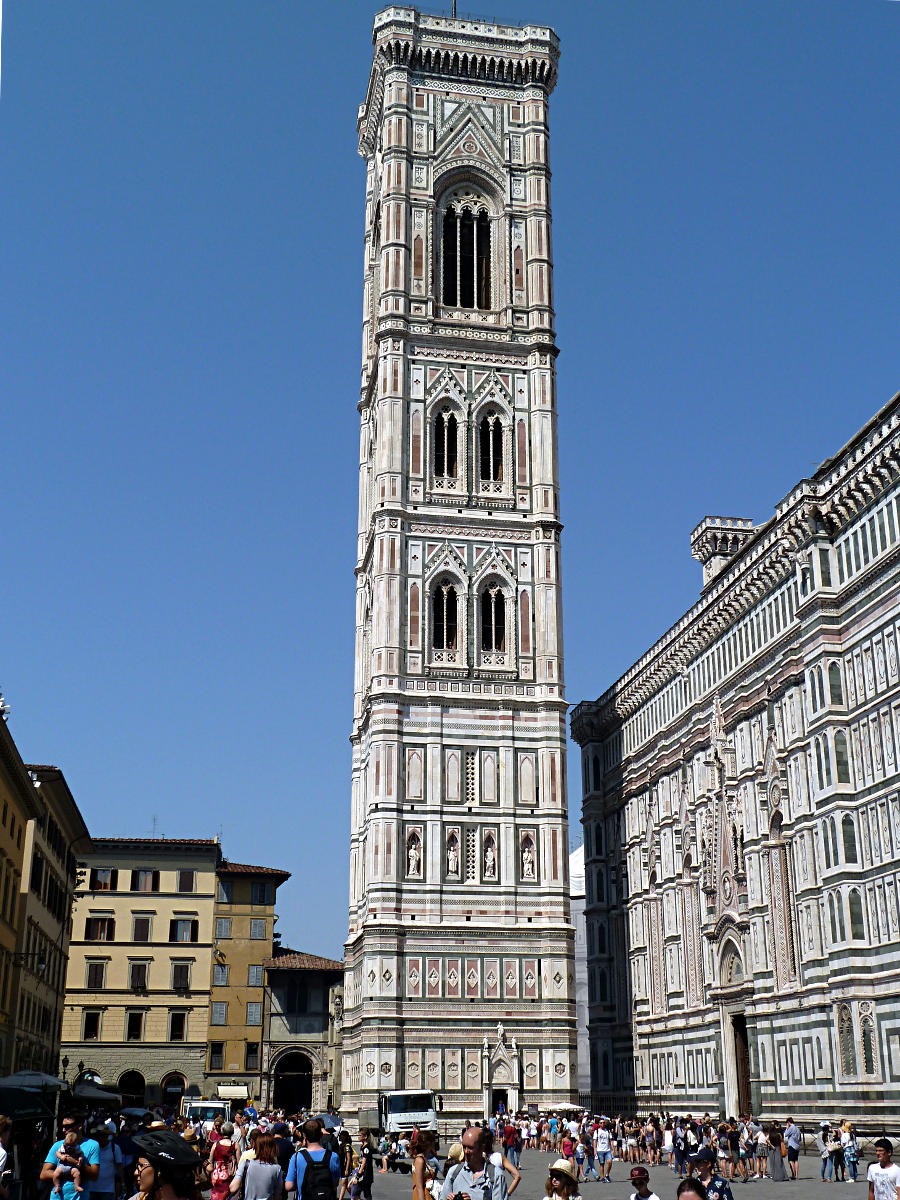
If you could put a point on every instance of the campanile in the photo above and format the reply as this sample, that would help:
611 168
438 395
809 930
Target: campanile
459 957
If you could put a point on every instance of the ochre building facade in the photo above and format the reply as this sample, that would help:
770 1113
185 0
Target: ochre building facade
742 817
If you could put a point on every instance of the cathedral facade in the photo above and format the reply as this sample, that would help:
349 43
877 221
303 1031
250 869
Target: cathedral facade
459 958
742 818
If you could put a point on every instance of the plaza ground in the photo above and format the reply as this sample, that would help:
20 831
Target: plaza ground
394 1186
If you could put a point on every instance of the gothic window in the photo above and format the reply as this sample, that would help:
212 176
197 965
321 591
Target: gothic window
857 926
819 773
493 619
841 758
846 1041
444 626
466 253
833 919
832 825
867 1037
826 755
445 443
848 832
596 773
490 447
834 683
414 615
820 688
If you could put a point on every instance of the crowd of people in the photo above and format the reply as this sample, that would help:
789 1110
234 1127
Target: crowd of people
269 1156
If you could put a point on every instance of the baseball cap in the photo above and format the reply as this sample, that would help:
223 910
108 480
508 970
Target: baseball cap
705 1154
640 1173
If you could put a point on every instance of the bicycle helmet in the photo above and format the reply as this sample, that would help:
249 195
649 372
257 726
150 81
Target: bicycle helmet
166 1148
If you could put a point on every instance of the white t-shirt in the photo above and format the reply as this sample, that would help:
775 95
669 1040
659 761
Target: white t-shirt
635 1196
601 1140
885 1180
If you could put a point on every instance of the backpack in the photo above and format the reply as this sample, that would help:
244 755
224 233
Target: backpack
317 1181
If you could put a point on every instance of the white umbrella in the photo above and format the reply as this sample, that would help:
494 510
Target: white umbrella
33 1081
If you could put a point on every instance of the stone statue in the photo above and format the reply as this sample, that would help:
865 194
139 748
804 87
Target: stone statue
413 857
490 861
499 1031
527 861
452 856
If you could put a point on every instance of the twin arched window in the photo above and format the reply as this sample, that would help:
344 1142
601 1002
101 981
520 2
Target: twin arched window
490 447
493 618
466 246
445 623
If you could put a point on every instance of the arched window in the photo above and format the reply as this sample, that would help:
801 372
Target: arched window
826 755
820 688
832 918
867 1037
493 618
490 447
444 617
832 825
841 758
466 250
845 1040
839 907
848 834
834 683
857 926
596 772
826 845
819 774
445 444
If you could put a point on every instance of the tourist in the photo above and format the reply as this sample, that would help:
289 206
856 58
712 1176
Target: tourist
640 1177
475 1174
83 1155
499 1160
260 1177
884 1176
322 1163
424 1167
166 1167
365 1164
851 1149
108 1184
691 1189
222 1161
603 1148
823 1141
561 1183
777 1153
793 1139
704 1162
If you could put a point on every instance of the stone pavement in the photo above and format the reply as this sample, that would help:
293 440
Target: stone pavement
394 1186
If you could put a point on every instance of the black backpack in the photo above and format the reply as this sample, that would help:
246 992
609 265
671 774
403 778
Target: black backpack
318 1183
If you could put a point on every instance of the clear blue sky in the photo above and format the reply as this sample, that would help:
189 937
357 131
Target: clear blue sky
181 211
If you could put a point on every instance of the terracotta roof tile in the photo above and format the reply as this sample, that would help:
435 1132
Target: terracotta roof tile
227 867
296 959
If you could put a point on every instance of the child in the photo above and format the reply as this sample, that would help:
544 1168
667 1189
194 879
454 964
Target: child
640 1177
561 1183
69 1149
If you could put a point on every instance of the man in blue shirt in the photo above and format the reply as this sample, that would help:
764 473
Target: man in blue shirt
312 1134
90 1167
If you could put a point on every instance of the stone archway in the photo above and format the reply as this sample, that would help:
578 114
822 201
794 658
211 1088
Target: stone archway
292 1082
132 1086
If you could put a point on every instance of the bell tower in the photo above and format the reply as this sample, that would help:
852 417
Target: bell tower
459 957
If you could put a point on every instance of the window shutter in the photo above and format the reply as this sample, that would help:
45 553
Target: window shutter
114 880
173 930
134 881
111 925
195 929
156 881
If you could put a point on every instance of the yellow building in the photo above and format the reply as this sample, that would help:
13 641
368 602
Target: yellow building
18 805
244 929
49 876
140 962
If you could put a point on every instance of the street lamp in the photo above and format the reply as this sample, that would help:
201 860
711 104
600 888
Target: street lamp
64 1063
33 959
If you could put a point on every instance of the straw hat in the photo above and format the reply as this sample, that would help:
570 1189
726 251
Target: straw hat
562 1166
